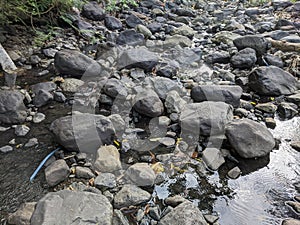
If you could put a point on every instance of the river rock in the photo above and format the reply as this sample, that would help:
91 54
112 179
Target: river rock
294 205
132 21
296 145
185 31
12 108
256 42
119 218
93 11
205 118
270 122
294 99
38 117
266 107
287 110
177 40
112 23
244 59
130 37
72 207
291 222
6 149
130 195
46 86
234 173
23 215
162 86
76 64
71 85
249 139
59 97
31 142
175 200
141 174
57 172
84 132
105 181
115 88
84 172
148 103
139 57
174 103
42 98
144 30
225 37
107 159
218 57
229 94
213 158
272 81
185 213
21 130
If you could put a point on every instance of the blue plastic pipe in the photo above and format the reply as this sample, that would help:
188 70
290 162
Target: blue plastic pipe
41 164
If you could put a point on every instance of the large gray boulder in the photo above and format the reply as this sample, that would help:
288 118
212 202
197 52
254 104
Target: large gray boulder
83 131
139 57
205 118
57 172
185 213
148 103
76 64
272 81
72 207
130 195
229 94
257 42
249 139
12 108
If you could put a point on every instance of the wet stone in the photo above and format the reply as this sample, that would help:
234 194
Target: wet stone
38 117
234 173
270 122
6 149
21 130
296 145
167 141
174 200
32 142
294 205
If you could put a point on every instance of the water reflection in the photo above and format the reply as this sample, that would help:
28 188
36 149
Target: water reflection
260 195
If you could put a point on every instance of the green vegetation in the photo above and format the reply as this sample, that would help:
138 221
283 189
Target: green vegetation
28 10
115 5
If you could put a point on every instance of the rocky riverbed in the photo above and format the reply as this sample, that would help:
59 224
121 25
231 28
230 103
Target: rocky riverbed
174 112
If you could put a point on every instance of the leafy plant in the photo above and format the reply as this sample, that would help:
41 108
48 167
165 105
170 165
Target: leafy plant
116 5
43 36
22 10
